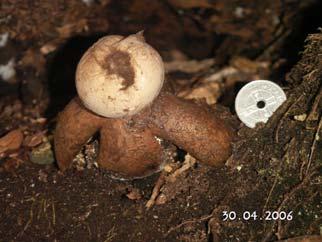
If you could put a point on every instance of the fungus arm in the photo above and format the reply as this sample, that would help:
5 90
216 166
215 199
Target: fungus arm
129 151
75 126
193 128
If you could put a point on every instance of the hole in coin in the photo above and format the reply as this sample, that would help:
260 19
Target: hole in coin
261 104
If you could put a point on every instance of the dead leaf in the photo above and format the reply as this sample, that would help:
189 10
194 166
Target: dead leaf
189 66
11 142
209 91
69 29
33 140
39 121
161 199
247 65
49 47
134 194
42 176
33 57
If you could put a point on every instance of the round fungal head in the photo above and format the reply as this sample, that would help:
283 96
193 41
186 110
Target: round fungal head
119 76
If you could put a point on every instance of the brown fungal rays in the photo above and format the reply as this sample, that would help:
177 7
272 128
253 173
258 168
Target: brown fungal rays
128 151
192 127
132 151
75 126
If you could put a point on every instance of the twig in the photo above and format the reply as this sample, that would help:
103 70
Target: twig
313 146
54 213
110 234
156 190
187 164
270 193
203 218
163 178
31 215
286 198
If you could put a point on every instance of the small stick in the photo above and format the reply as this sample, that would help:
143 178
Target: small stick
189 161
203 218
156 190
54 213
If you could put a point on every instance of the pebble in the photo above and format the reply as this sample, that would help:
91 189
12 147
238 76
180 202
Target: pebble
42 155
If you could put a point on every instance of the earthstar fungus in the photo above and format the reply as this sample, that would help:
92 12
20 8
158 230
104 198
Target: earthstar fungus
120 95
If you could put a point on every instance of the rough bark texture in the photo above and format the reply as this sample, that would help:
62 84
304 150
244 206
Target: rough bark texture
283 159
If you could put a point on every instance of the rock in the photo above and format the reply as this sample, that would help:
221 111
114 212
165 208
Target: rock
42 155
300 117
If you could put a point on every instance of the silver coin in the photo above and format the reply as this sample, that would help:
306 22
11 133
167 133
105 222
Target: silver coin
257 101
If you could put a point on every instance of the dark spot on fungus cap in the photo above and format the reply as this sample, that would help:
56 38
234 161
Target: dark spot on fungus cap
119 63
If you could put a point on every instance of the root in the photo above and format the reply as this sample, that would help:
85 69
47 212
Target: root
164 179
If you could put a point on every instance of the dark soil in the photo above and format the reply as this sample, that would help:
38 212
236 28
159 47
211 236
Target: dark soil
43 205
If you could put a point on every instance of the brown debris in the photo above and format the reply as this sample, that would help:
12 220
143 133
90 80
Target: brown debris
11 164
156 191
34 140
67 19
10 142
204 80
210 91
158 195
69 29
134 194
189 66
189 162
